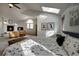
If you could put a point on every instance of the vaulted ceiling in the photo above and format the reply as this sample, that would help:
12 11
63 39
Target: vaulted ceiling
29 10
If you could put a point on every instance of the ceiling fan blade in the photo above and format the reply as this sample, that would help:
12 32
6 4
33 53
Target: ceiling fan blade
15 3
16 6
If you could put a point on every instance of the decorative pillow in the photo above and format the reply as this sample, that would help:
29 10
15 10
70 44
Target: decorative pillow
60 39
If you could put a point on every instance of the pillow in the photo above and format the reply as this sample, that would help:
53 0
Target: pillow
13 34
60 39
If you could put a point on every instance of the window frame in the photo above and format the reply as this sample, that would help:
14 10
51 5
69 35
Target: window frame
30 24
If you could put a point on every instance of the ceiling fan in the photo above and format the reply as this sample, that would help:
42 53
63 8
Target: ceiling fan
11 5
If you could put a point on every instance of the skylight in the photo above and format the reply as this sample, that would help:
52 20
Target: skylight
51 10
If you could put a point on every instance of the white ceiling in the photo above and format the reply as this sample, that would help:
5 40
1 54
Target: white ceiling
28 10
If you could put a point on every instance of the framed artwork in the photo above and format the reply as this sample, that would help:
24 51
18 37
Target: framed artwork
50 25
10 28
43 26
20 28
74 17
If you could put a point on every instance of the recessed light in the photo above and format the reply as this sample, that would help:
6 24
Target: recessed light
51 10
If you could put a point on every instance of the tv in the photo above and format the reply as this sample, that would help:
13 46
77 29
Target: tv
10 28
20 28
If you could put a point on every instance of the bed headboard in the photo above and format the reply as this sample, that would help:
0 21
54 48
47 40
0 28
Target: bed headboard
73 34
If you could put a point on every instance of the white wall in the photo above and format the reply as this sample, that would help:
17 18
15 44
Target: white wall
3 26
0 25
45 17
66 25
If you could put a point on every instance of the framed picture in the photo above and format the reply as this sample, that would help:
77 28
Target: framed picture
50 25
74 18
20 28
43 26
10 28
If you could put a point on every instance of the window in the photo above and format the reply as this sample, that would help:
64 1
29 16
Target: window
29 24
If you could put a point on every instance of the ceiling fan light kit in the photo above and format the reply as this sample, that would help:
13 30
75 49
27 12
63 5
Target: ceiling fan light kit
10 5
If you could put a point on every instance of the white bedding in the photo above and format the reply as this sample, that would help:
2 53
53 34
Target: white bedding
51 44
27 48
35 47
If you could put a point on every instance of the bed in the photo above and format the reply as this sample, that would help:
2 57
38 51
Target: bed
35 47
27 47
44 47
51 44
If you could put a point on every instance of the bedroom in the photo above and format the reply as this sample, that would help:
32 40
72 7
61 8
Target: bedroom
32 30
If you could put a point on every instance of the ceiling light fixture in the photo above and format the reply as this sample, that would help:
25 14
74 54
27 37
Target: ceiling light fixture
11 5
52 10
6 23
